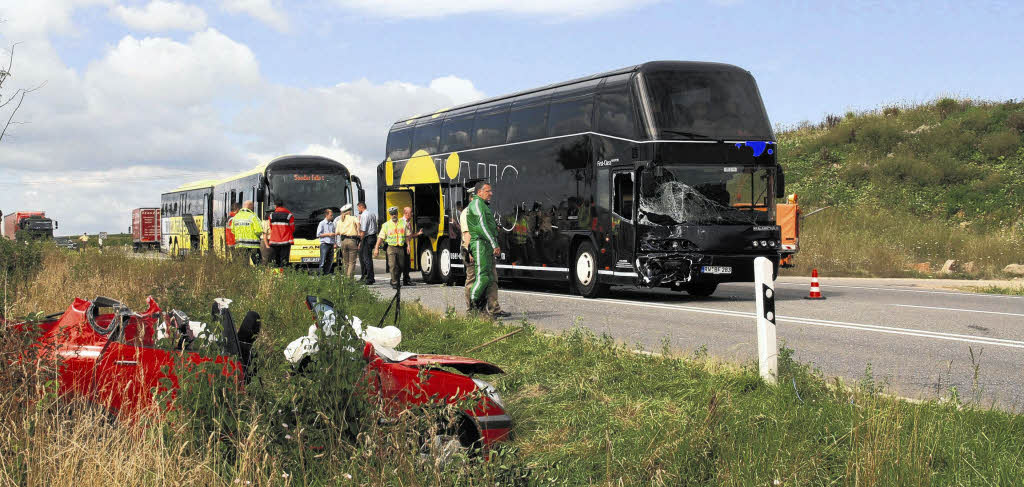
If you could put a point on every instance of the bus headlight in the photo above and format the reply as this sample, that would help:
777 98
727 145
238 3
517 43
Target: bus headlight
755 243
764 243
490 391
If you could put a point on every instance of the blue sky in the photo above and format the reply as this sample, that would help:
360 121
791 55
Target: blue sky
328 75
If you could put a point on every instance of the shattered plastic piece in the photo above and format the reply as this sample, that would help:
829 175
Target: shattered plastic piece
392 355
302 347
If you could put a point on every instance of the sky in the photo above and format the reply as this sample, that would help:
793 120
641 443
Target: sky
137 97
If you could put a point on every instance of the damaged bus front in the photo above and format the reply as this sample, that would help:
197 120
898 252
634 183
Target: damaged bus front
707 190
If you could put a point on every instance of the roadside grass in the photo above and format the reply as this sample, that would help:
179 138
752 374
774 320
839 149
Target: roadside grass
587 411
1009 290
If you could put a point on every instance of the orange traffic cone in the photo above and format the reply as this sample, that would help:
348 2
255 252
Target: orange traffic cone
815 290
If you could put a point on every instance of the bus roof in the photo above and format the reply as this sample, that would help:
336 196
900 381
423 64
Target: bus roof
206 183
648 66
259 169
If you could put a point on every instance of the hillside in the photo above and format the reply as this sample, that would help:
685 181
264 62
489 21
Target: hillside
911 185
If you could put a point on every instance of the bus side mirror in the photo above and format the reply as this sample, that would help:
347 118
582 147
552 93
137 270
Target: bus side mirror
780 183
260 194
362 196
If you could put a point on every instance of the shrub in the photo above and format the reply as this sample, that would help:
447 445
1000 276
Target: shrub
832 120
977 119
1016 122
947 106
891 111
1003 143
880 135
906 168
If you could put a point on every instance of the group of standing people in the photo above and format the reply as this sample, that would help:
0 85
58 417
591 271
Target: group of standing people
245 233
350 237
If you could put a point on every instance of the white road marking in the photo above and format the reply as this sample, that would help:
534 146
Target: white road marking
1002 342
904 290
960 309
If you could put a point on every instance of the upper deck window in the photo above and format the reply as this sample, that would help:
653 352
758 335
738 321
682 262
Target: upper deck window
399 141
715 105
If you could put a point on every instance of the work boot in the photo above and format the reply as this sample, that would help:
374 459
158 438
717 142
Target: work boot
500 314
408 283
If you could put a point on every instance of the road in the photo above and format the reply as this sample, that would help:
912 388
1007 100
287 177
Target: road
916 339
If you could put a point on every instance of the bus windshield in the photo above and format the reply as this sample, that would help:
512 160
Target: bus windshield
671 195
308 193
707 105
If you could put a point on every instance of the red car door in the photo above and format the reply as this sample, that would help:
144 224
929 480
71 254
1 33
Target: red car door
130 370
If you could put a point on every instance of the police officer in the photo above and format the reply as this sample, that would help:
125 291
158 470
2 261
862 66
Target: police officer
347 240
393 233
247 228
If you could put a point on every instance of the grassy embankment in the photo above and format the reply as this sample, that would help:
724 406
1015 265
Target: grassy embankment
587 412
910 185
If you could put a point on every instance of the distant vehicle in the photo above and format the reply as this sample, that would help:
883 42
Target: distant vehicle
194 215
145 229
661 174
28 225
65 243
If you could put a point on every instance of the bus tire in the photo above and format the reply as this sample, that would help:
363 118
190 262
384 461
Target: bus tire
428 264
584 272
444 263
701 289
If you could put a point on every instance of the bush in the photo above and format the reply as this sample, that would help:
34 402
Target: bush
879 134
891 111
977 119
906 168
947 106
1001 143
19 262
1016 122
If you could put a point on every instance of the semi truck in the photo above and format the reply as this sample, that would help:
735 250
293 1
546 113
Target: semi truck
28 225
145 229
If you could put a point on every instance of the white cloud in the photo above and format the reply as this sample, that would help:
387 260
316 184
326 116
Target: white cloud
263 10
161 15
458 89
442 8
149 114
32 18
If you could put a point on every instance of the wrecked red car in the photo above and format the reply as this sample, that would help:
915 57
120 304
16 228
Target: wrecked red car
116 359
121 360
405 378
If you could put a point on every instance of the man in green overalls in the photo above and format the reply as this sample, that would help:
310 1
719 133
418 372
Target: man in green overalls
483 245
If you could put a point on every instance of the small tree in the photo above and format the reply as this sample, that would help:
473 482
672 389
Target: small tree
11 103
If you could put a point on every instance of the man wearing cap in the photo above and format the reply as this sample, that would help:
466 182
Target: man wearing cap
325 232
347 240
392 232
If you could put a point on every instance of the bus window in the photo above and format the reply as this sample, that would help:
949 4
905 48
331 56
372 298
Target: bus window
570 116
622 195
427 136
491 126
398 143
615 112
529 118
455 133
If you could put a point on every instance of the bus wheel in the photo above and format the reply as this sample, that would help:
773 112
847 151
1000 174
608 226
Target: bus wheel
584 272
429 264
701 289
444 264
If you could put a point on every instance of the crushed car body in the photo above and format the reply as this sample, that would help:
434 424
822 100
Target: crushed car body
404 379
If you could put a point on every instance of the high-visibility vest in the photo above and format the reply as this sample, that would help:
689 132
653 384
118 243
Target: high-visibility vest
246 227
282 227
393 232
521 230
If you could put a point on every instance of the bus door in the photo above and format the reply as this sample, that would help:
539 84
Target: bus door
400 198
623 217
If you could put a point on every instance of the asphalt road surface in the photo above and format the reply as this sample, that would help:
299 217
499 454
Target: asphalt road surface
916 339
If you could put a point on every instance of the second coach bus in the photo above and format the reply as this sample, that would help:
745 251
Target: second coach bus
307 185
660 174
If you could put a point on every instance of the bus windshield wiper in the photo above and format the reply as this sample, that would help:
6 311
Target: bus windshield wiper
686 134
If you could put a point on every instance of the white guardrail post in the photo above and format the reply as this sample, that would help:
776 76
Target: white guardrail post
767 349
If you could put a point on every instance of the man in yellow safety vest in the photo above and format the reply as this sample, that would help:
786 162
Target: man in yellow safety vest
247 228
393 233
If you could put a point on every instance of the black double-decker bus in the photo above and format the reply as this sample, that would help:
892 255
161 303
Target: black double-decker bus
661 174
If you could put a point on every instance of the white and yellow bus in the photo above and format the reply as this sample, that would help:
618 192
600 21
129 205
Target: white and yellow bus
308 186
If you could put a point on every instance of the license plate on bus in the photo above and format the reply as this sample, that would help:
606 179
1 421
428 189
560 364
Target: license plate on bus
716 269
310 260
